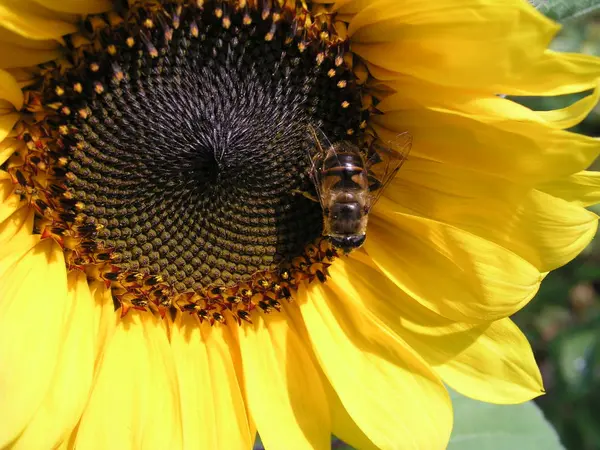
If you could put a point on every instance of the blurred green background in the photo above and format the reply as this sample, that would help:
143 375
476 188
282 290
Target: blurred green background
563 321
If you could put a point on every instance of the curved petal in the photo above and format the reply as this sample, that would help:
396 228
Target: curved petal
212 406
554 74
61 409
9 202
450 271
34 311
492 109
546 231
77 6
24 76
11 38
492 362
34 21
15 56
473 43
377 377
10 90
573 114
285 395
7 122
498 367
21 221
522 151
105 319
342 424
7 147
17 51
15 250
582 188
134 400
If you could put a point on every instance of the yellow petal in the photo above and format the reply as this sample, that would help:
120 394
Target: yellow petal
582 188
60 410
473 43
342 424
7 147
24 76
212 407
12 55
9 202
134 401
77 6
350 7
546 231
34 21
7 121
498 367
105 319
490 135
492 362
450 271
10 90
412 93
553 74
19 51
573 114
21 221
285 396
9 37
12 252
34 311
387 390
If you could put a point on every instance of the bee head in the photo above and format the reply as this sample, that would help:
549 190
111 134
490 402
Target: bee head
348 243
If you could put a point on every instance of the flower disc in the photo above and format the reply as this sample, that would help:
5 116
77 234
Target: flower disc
179 147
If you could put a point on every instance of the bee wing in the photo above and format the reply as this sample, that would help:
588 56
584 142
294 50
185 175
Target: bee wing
384 162
320 147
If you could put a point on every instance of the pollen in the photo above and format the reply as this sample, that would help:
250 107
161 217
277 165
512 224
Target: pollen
157 180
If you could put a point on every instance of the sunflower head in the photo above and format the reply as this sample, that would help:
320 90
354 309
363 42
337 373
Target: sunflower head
165 152
158 217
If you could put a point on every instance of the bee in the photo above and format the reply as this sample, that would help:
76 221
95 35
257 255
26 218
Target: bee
349 181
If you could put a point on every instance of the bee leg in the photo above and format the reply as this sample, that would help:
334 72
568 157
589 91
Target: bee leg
308 195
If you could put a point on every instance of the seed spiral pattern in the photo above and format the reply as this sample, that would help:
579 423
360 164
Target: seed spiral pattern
177 145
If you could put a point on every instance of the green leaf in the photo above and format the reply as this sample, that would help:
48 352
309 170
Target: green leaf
483 426
564 10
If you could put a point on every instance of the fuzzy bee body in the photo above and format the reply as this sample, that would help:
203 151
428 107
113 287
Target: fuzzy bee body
344 185
348 184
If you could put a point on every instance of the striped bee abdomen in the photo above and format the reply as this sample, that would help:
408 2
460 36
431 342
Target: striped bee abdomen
345 171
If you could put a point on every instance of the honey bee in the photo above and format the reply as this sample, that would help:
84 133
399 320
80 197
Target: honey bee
349 181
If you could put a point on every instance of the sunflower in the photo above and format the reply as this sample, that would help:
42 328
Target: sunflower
162 285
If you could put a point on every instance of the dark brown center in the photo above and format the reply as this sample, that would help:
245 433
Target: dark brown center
187 138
